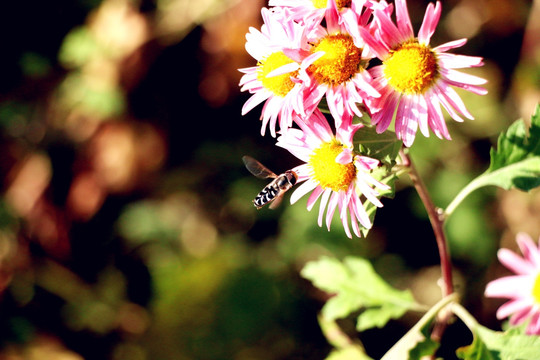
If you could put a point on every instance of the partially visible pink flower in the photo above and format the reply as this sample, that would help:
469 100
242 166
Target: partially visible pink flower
277 47
337 65
523 289
415 79
332 171
312 11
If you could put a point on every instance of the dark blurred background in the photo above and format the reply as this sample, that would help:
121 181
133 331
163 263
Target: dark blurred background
126 224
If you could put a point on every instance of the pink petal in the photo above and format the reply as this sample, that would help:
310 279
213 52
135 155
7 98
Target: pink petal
421 106
303 172
311 59
351 24
436 118
515 262
255 100
521 315
332 17
441 92
403 20
316 127
331 208
335 105
384 118
354 223
303 190
528 249
369 193
509 287
270 113
478 90
366 163
345 157
361 213
324 201
391 33
511 307
345 133
364 83
344 217
534 324
285 69
431 19
314 197
450 45
368 179
453 61
406 123
377 47
456 102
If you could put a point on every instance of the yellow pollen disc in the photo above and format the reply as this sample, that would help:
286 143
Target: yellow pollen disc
327 172
321 4
412 68
340 62
536 290
280 85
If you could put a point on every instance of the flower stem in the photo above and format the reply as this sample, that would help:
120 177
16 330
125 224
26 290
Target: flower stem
473 185
437 221
436 218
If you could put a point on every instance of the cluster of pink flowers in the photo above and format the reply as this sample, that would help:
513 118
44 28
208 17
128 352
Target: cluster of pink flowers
310 52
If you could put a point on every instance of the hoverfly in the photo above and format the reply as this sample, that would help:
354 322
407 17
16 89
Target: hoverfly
274 191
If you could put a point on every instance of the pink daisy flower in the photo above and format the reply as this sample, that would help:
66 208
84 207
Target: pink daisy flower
312 11
332 171
523 289
415 79
337 65
274 80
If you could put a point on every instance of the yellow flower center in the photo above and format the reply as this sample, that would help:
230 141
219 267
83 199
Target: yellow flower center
412 68
327 172
321 4
340 62
280 85
536 290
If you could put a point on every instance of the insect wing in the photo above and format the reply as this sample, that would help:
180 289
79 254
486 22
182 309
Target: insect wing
277 200
257 169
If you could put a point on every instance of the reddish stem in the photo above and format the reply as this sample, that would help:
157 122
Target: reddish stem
436 217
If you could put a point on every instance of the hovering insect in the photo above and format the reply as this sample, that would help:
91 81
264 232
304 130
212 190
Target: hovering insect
274 191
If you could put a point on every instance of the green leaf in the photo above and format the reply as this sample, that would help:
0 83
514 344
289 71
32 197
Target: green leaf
416 342
515 164
423 348
476 351
383 147
356 286
379 316
353 352
346 348
515 146
496 345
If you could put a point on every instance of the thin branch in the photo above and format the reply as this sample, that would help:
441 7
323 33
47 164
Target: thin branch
436 217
